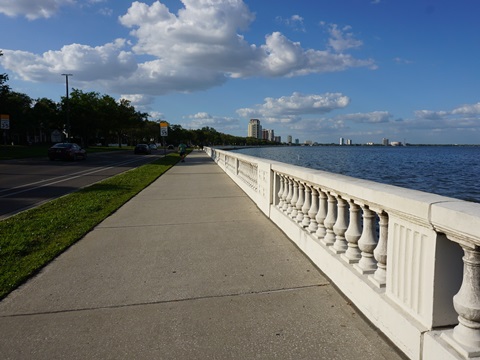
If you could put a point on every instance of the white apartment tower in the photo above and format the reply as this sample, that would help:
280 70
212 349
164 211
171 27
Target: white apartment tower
255 129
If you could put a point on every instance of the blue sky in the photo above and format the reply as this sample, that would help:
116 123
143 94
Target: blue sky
314 69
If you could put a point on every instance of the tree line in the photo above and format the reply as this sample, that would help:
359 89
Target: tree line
92 118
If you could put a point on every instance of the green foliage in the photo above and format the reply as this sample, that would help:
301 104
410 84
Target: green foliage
91 118
33 238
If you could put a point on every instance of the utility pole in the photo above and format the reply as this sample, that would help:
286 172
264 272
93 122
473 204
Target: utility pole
67 103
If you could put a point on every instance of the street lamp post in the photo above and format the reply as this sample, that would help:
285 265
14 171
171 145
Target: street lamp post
67 103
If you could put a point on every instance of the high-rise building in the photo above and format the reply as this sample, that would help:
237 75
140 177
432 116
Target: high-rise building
341 141
255 129
385 142
289 139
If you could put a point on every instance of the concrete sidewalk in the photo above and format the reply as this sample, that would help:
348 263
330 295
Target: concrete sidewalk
188 269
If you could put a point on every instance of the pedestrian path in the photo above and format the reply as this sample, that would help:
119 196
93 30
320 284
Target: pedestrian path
188 269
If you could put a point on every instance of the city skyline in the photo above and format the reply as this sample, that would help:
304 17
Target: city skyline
363 70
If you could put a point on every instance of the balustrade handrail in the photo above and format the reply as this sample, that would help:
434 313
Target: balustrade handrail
399 262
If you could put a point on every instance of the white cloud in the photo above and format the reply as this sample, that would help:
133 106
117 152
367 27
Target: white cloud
288 109
203 119
373 117
197 48
84 62
295 22
341 39
32 9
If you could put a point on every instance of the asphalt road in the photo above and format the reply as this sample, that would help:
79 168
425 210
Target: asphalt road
27 183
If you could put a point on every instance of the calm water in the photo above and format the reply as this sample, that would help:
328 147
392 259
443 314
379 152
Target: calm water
445 170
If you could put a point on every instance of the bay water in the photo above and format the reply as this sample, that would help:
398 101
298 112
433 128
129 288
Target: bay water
452 171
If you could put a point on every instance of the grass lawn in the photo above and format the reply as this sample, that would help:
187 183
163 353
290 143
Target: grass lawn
33 238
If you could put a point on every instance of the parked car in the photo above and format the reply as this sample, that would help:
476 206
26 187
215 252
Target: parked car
66 151
152 146
142 149
171 147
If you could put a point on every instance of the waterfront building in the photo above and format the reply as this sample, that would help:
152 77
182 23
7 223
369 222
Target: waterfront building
289 139
385 142
341 141
255 129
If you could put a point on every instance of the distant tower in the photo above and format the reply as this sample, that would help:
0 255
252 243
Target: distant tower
255 129
341 141
289 139
385 142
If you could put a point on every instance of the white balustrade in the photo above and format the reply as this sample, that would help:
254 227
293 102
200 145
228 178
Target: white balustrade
321 215
340 226
312 212
352 235
300 202
395 253
330 220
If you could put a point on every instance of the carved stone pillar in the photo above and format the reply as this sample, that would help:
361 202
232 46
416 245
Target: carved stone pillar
330 220
352 235
300 202
467 302
312 212
307 204
367 243
340 245
287 204
280 191
293 201
321 215
380 252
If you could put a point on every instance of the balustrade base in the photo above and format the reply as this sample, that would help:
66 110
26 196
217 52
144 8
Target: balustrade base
377 283
465 351
336 251
363 271
348 260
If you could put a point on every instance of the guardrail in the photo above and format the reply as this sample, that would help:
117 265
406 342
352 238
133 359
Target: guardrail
408 260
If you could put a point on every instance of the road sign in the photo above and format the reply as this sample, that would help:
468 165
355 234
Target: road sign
163 128
5 122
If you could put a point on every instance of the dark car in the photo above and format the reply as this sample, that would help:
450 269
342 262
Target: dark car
142 149
66 151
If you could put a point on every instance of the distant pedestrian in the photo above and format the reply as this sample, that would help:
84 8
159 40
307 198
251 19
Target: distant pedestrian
182 149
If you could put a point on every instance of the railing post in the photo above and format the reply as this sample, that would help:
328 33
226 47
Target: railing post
312 212
280 191
467 302
340 245
367 243
353 233
300 202
293 201
379 278
330 220
287 207
321 215
306 206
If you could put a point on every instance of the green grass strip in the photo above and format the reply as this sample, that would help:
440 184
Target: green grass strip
31 239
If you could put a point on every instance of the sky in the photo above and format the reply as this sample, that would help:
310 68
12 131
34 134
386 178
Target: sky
317 70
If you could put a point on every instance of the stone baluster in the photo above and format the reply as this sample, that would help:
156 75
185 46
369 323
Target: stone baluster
293 201
467 303
312 212
281 199
330 220
306 206
352 235
340 226
367 243
379 278
300 202
288 205
321 215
